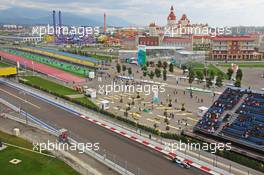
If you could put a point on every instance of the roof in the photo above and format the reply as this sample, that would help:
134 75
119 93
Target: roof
152 24
148 38
104 101
184 17
203 108
130 38
232 38
201 36
171 16
175 39
185 52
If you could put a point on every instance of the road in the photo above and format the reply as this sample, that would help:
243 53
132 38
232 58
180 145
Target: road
137 155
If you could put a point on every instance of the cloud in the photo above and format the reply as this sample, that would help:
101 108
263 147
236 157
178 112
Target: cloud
142 12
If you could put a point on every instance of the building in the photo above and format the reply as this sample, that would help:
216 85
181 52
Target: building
184 21
155 30
171 19
113 41
182 27
201 43
129 43
261 46
186 43
148 40
233 48
184 56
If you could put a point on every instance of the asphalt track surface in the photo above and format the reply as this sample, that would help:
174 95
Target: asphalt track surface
59 74
151 162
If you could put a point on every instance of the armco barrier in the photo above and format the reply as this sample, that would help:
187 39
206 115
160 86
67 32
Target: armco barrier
35 122
203 166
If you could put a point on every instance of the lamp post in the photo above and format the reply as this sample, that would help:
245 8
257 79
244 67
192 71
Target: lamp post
24 101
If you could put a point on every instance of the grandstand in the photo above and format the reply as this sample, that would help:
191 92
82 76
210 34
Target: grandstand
94 60
44 69
62 57
237 115
72 68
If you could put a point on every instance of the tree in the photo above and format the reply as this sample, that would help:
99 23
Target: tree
167 127
229 73
191 76
129 71
138 96
123 68
157 72
219 80
118 68
171 67
200 76
151 74
183 107
165 65
170 104
147 63
145 73
144 68
239 74
209 82
159 64
164 75
155 125
166 120
212 74
183 67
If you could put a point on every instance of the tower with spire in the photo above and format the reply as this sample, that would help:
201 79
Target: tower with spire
171 19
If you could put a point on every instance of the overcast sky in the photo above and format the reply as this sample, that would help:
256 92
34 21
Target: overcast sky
142 12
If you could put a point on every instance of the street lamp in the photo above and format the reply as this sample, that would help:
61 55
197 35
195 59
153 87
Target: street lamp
24 101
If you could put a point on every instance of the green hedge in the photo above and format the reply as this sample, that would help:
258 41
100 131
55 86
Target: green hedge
243 160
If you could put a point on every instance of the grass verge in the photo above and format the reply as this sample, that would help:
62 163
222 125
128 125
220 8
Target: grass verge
2 64
32 163
247 65
57 89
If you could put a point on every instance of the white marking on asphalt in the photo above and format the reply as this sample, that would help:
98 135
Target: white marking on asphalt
26 101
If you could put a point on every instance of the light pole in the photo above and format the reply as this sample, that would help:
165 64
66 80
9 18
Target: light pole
24 101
